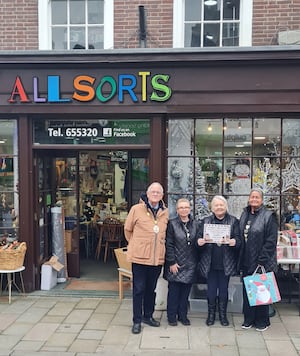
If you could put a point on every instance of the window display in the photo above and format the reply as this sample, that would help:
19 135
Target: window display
230 156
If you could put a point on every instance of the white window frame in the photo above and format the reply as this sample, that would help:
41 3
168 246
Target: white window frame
44 12
245 23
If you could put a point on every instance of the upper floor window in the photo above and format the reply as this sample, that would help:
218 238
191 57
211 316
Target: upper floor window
212 23
75 24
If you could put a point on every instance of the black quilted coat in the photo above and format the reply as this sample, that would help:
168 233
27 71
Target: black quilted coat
262 240
182 251
230 255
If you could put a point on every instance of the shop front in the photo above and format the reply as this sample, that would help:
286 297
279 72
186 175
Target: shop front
87 134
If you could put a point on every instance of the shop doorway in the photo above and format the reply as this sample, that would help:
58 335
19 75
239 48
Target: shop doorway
88 186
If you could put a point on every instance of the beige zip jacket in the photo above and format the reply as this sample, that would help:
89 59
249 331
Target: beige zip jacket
146 235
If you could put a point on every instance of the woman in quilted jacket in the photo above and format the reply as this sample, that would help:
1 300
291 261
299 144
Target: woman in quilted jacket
181 262
218 261
260 228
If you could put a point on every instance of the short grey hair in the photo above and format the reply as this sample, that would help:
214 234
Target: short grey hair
158 184
257 190
219 197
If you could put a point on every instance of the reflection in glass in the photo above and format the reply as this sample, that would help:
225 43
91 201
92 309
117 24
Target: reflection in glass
9 177
212 12
77 12
238 137
95 12
77 37
59 38
211 35
209 142
180 171
59 12
291 137
266 137
192 10
230 34
211 173
96 37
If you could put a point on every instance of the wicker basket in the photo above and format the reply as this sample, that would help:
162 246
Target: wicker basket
13 259
121 258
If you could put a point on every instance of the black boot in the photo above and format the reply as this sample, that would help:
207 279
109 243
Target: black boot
222 312
211 312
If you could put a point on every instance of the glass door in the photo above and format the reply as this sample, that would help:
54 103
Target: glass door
56 211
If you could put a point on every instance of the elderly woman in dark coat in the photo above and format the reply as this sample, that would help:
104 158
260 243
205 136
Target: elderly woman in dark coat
217 262
180 262
260 228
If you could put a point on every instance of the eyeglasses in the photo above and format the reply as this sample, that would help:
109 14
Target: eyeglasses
183 207
154 192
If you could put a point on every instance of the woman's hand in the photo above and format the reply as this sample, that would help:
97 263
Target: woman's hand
232 242
174 268
201 242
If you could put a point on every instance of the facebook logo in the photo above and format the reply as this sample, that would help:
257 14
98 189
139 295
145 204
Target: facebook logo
107 132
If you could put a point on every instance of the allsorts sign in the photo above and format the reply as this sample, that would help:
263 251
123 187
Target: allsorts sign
142 87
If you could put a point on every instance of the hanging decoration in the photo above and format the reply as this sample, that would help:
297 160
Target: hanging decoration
291 176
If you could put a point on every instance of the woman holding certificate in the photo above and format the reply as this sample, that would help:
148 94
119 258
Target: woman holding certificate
219 244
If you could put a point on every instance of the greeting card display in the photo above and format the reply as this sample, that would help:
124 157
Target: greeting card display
216 233
261 288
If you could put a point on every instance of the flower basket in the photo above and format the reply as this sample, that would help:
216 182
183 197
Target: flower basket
14 258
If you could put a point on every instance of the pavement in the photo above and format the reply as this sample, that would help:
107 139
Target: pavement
84 325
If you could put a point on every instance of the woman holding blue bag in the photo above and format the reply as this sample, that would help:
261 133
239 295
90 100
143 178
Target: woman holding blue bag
260 229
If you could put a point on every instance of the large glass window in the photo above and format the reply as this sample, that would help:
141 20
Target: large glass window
9 196
229 156
212 23
75 24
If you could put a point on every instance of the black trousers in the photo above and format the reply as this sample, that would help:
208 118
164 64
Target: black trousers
177 303
144 284
217 285
257 316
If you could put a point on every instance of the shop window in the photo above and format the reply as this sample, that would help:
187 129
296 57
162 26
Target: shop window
75 24
230 156
9 197
212 23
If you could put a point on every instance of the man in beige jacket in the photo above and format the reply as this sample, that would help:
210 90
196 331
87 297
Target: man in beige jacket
145 231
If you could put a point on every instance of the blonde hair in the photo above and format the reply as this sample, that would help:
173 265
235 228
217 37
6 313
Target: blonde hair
218 197
182 200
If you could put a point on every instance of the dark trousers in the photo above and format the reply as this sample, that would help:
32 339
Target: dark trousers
144 284
258 316
177 303
217 285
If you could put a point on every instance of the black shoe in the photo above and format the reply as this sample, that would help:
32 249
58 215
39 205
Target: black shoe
247 326
184 321
136 328
172 323
151 321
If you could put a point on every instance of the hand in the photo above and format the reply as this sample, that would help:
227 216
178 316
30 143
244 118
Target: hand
201 242
174 268
232 242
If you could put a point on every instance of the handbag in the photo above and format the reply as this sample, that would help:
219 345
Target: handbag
261 288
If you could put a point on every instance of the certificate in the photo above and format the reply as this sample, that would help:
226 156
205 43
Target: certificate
216 233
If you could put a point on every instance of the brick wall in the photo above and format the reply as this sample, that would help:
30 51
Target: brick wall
18 25
159 16
19 22
272 16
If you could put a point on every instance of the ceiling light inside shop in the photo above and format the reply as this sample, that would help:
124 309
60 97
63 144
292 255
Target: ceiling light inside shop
2 141
210 2
259 137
